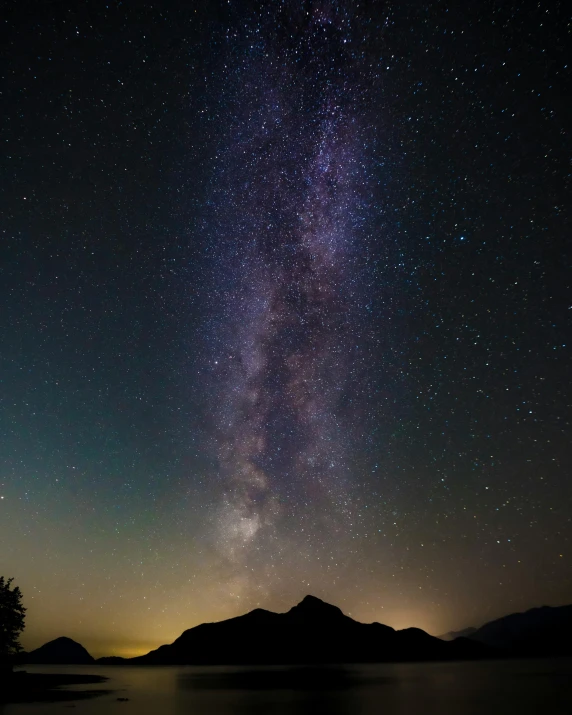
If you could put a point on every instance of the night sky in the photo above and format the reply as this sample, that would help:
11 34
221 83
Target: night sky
285 309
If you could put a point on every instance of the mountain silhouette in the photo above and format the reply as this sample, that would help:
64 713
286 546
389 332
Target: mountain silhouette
110 660
59 651
540 631
311 632
451 635
317 632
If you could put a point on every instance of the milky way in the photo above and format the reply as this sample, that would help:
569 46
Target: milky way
291 202
285 309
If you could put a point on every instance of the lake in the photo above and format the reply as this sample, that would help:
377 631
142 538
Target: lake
490 688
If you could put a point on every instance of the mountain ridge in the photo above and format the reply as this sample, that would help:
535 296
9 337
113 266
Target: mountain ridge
314 631
543 630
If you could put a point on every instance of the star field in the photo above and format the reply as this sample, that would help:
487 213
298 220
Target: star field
285 309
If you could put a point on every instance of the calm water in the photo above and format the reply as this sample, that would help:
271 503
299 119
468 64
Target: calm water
542 686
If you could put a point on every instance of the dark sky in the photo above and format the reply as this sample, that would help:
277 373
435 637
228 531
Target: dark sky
285 308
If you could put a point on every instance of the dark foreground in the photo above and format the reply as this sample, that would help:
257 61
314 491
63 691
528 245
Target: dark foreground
25 687
524 687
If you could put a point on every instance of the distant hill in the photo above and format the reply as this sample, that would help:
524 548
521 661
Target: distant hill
61 651
540 631
111 660
310 632
451 635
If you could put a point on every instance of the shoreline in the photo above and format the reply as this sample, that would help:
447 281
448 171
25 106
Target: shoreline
24 687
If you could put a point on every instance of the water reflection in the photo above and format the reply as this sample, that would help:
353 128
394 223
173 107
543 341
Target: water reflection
295 678
502 688
257 691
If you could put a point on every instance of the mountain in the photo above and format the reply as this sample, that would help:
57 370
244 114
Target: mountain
451 635
539 632
310 632
317 632
63 651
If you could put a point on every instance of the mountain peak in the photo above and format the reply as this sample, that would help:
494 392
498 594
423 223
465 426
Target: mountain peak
309 597
61 650
313 607
63 640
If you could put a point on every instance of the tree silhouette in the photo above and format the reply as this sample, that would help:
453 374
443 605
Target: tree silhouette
12 614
